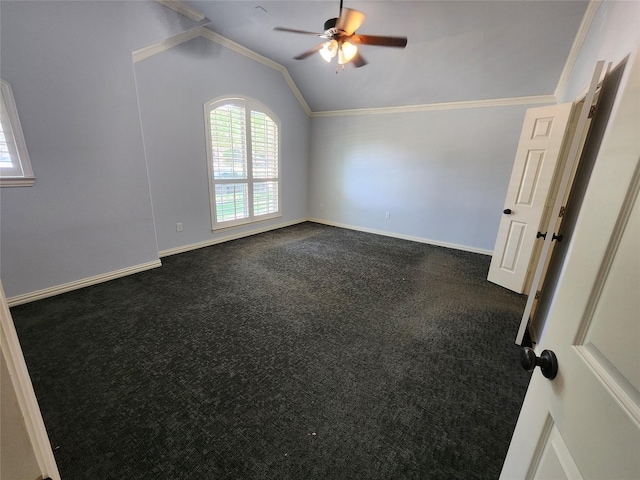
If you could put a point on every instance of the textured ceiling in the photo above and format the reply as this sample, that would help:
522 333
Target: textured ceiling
456 50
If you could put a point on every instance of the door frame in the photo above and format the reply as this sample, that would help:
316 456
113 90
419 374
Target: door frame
563 188
607 93
27 401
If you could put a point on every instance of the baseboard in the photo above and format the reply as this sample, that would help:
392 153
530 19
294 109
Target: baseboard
455 246
227 238
85 282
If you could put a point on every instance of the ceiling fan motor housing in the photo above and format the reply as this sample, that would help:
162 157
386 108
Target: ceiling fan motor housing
330 26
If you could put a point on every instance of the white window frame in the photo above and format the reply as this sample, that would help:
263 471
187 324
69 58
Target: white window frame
249 105
20 174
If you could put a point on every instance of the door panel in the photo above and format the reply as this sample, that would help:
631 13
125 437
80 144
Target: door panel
537 158
530 177
556 461
621 291
513 247
593 324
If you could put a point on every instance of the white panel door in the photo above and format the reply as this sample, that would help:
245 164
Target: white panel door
586 422
539 151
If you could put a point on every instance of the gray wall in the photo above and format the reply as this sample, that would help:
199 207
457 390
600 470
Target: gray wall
614 34
442 175
90 212
173 87
70 67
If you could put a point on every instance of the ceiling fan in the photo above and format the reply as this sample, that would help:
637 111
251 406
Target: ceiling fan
342 39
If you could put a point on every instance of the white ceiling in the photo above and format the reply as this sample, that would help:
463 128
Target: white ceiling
456 50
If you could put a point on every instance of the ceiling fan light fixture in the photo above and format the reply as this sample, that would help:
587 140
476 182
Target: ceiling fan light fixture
346 52
329 50
338 31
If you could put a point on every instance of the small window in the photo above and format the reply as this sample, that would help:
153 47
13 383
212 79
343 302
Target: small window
15 168
244 162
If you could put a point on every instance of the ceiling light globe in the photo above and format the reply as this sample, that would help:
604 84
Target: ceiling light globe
346 52
328 50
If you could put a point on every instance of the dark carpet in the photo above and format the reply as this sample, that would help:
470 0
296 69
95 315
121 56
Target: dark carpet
309 352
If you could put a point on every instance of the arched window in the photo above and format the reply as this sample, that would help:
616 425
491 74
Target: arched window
243 144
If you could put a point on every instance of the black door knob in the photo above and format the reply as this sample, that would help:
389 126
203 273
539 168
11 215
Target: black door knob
557 237
547 362
507 211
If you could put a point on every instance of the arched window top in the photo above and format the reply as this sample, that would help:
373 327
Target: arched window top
245 102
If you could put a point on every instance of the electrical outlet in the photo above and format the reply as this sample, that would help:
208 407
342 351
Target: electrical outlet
387 215
179 227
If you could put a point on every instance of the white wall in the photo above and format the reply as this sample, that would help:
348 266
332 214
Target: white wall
173 87
442 175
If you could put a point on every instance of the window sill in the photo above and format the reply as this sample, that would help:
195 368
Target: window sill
260 219
17 182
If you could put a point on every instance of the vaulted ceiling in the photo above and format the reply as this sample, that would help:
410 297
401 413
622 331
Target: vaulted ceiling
457 50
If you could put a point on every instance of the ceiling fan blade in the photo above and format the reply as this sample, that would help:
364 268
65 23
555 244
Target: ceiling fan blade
381 41
358 61
304 32
350 20
308 53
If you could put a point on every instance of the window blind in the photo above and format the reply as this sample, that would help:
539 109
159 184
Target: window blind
15 167
5 157
229 142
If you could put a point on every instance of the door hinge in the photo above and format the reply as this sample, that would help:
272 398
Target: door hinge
562 210
538 293
592 111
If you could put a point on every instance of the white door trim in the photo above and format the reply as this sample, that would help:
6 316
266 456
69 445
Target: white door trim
25 394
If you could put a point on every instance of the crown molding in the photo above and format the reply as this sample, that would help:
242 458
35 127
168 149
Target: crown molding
156 48
576 47
578 42
183 9
430 107
212 36
151 50
236 47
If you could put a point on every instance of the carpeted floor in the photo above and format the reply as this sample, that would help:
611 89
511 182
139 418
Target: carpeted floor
309 352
